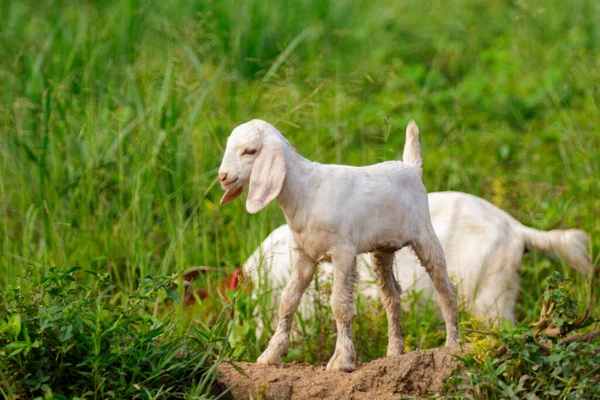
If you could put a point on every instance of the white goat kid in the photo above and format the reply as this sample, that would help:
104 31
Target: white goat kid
336 212
483 246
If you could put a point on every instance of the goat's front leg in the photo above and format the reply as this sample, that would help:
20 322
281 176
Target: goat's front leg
342 304
302 273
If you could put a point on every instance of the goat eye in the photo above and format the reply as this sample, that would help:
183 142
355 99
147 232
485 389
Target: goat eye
249 152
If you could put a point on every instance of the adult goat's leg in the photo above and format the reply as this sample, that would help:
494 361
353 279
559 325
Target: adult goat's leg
430 252
390 291
302 273
342 303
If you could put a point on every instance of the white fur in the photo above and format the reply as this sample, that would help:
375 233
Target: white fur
483 246
336 212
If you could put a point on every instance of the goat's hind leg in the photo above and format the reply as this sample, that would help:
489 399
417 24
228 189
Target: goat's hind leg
390 290
301 276
342 303
430 252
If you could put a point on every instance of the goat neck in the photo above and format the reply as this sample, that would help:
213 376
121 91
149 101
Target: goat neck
301 180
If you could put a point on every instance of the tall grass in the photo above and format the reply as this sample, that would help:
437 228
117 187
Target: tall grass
114 114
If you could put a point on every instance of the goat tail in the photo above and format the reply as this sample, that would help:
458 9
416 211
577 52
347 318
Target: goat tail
412 148
570 246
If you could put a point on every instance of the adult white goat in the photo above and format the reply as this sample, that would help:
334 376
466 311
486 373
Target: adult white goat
336 212
483 246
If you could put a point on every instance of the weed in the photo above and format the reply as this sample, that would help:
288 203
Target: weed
535 363
71 340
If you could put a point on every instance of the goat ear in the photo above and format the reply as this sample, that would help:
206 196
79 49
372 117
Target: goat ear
266 179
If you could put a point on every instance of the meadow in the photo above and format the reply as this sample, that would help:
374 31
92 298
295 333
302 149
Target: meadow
114 117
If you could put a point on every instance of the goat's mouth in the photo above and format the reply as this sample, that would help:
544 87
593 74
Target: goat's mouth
229 183
232 193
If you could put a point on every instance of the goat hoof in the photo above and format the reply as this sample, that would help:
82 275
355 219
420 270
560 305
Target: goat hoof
340 364
395 351
267 358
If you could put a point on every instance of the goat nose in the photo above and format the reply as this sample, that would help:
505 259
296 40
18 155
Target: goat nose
222 176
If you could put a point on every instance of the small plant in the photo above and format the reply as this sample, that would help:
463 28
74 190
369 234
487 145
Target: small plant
68 340
559 309
537 361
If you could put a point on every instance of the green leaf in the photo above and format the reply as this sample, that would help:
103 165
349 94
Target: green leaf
12 327
554 358
66 333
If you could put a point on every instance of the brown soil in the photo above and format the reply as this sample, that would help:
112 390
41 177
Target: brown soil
415 374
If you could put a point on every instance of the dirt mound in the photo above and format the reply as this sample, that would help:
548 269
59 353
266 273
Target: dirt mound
414 374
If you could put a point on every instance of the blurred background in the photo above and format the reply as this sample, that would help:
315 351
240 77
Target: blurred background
114 117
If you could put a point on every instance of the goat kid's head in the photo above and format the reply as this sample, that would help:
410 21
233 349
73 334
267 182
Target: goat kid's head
254 158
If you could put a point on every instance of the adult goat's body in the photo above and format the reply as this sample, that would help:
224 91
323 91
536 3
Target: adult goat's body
336 212
483 246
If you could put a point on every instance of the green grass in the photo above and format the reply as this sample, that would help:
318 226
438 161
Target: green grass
114 116
75 341
538 361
